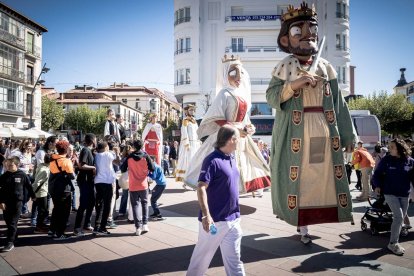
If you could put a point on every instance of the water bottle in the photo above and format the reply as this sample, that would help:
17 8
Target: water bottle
213 229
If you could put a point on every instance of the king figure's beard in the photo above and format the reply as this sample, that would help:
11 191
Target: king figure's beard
303 52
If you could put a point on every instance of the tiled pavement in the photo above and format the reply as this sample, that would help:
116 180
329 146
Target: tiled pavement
269 246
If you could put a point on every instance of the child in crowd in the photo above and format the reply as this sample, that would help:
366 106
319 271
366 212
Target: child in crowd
157 191
40 188
12 185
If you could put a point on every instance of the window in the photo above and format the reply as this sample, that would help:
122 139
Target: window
338 71
182 15
11 99
181 45
30 43
338 41
137 104
237 44
344 74
344 44
187 76
187 44
29 103
260 109
29 75
125 101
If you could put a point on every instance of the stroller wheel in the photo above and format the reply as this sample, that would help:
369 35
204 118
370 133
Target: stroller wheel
374 230
363 226
404 232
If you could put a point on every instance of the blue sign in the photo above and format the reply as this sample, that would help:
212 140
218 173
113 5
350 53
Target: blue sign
255 17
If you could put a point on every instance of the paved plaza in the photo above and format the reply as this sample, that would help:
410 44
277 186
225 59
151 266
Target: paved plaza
269 245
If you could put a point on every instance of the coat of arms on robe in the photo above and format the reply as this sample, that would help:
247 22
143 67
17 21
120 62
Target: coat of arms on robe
327 89
292 202
343 200
335 143
295 145
330 116
297 117
339 172
294 171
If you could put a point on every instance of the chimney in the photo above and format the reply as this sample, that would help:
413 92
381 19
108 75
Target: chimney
114 84
402 80
122 85
84 88
352 79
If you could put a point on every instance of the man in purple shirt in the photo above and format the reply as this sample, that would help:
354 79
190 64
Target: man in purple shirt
218 196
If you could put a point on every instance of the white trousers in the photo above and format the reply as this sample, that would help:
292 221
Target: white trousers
228 237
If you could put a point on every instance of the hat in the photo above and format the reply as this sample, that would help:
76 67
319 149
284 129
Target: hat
189 106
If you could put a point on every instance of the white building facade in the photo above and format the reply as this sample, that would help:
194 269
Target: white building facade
205 30
20 65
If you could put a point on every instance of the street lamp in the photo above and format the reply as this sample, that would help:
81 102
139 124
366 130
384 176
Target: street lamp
38 81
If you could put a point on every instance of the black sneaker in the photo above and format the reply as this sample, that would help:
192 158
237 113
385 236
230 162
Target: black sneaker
157 217
61 237
8 247
101 233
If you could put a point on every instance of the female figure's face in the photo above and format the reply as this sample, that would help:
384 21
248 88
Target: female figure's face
393 149
234 75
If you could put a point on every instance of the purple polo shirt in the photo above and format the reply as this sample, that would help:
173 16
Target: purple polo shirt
220 172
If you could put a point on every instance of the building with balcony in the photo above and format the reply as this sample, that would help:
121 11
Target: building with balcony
206 30
20 64
405 88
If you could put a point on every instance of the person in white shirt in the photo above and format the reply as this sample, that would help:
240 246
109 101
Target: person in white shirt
105 176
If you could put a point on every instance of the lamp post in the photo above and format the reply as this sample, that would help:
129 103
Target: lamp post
38 81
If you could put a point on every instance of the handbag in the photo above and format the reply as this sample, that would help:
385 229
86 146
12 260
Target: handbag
123 180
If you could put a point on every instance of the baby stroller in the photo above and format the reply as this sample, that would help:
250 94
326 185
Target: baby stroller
379 217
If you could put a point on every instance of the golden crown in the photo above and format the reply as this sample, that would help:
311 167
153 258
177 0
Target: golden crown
304 10
231 58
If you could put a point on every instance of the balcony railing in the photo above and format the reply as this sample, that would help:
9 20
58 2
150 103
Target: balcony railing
252 18
342 48
252 49
256 81
182 20
11 73
11 107
182 83
180 51
12 39
33 50
342 15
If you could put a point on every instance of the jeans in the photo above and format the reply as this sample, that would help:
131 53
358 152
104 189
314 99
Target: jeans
86 203
155 195
11 217
60 213
124 201
103 204
43 212
136 197
399 207
348 172
33 217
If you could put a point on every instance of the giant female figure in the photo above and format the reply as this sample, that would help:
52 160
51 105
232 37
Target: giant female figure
231 106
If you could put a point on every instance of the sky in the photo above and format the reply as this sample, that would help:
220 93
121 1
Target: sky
99 42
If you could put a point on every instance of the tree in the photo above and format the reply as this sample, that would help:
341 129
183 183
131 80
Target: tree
87 120
52 114
393 111
167 132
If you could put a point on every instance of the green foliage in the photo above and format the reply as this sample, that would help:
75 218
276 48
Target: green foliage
87 120
52 114
394 112
167 132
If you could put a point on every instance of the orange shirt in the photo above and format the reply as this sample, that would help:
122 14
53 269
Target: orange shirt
64 163
364 158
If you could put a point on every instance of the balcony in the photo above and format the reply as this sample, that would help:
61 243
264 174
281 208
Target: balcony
257 81
11 108
182 83
342 48
33 50
252 49
182 20
11 74
12 39
342 15
181 51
